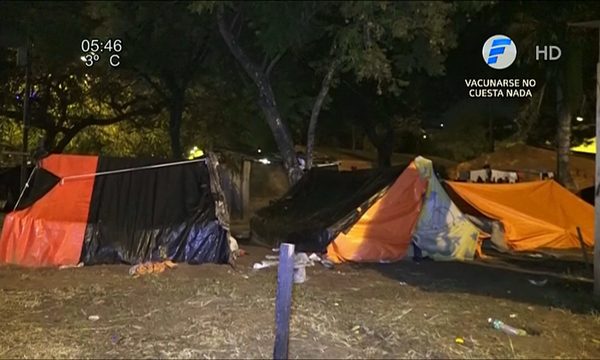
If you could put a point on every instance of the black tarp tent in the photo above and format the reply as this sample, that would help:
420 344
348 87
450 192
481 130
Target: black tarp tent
321 205
110 210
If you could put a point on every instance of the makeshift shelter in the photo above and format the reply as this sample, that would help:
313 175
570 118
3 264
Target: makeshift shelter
414 210
319 206
369 216
540 215
109 210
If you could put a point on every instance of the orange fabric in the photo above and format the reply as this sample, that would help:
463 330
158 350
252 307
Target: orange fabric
51 231
535 215
384 231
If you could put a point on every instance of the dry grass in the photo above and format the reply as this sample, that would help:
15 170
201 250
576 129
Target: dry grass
213 312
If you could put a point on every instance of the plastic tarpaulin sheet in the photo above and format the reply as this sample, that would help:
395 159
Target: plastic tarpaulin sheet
154 214
50 232
384 231
320 206
443 232
535 215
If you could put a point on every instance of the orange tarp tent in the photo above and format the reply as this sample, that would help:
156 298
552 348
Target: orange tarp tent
51 231
385 230
535 215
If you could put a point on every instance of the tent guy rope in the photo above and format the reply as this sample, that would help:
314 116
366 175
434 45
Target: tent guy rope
148 167
24 188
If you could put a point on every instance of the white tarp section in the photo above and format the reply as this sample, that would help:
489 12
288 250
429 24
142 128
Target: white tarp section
443 232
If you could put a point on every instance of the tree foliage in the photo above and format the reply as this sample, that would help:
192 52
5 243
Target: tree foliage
377 42
165 45
66 96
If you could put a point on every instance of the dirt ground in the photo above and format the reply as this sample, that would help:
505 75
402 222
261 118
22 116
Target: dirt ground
401 310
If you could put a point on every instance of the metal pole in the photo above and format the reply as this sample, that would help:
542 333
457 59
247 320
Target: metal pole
597 181
283 300
26 114
596 25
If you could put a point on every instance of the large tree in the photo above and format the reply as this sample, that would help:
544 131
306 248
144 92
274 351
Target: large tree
376 42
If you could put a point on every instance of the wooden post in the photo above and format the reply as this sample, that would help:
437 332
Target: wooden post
585 257
283 300
237 211
246 168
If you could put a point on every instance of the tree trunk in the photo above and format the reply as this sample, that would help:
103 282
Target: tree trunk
384 156
563 139
383 139
65 140
175 118
266 100
49 140
281 133
314 116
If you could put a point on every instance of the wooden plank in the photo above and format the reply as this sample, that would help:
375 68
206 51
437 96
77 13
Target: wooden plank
246 169
283 300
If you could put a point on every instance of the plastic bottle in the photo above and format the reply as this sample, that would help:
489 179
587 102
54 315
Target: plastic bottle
507 329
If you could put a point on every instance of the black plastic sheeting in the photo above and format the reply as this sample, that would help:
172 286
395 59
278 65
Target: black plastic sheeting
153 214
41 182
10 187
588 195
319 207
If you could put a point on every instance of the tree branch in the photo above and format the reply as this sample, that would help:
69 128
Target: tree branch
11 114
251 69
91 120
274 62
314 116
239 30
264 62
198 57
234 21
155 85
70 133
202 51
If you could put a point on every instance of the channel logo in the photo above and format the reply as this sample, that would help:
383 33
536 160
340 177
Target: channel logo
499 52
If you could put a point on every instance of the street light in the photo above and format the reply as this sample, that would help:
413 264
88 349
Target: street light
579 118
596 25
